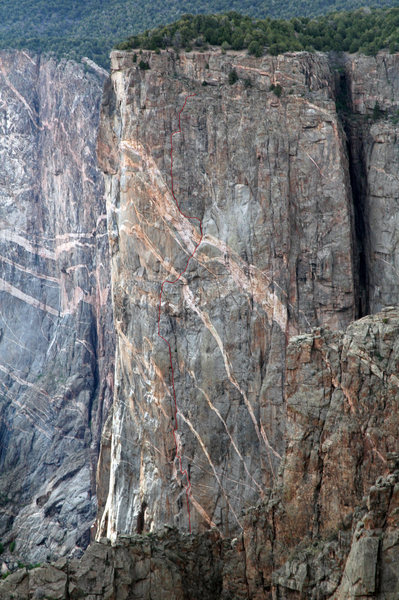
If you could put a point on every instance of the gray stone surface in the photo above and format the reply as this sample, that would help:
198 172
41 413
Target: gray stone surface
295 544
269 178
373 83
371 569
56 333
171 565
300 229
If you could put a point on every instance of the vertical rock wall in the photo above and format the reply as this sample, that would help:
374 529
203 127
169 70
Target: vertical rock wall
310 538
299 228
56 332
373 134
268 176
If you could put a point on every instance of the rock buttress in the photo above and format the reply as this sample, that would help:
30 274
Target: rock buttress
268 176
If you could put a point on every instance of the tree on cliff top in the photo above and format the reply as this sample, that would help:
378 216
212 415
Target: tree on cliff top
365 31
75 28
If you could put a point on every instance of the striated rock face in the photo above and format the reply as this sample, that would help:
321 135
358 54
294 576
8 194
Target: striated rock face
56 333
248 228
268 177
373 79
329 529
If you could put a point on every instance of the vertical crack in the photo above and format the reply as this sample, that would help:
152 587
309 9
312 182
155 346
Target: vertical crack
358 180
356 128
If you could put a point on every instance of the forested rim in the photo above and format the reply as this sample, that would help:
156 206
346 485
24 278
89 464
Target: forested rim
76 28
362 30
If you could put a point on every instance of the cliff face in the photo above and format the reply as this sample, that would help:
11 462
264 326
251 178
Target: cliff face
268 178
372 128
342 417
245 403
309 538
56 333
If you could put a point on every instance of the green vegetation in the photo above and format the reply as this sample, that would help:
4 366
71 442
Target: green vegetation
74 29
144 66
1 548
12 546
395 121
21 565
233 77
29 566
4 499
276 89
364 30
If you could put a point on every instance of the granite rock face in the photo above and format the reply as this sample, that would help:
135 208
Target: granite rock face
371 569
249 224
56 332
342 420
343 430
170 565
309 539
372 127
268 177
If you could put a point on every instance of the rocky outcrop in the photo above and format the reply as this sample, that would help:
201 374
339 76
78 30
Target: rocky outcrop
267 175
328 530
171 565
290 238
56 332
304 543
342 418
371 568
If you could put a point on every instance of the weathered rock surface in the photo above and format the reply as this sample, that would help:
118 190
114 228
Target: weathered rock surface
56 333
171 565
342 421
288 453
372 566
269 179
372 126
323 533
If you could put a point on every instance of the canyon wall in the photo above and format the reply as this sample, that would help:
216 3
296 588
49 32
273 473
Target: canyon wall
289 164
272 223
268 177
56 332
328 530
371 119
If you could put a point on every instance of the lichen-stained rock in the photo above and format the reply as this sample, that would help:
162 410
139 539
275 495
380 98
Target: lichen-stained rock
268 177
56 333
